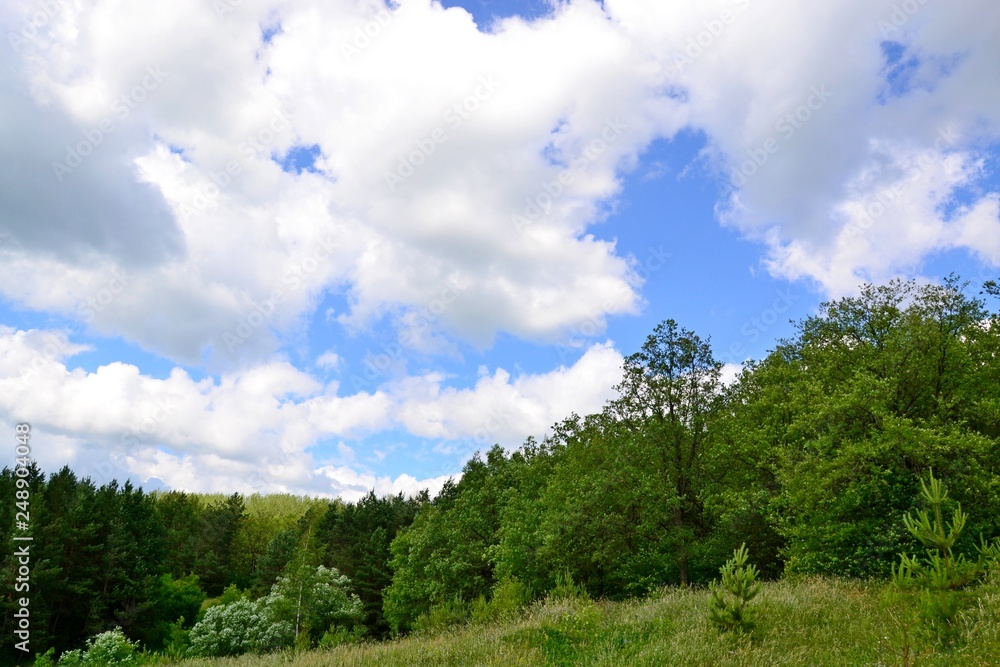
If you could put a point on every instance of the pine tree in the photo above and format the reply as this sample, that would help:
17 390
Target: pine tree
728 609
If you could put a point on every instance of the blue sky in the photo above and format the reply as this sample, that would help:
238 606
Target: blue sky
311 257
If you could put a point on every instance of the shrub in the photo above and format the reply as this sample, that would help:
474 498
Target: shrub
46 659
339 635
177 640
72 658
728 608
111 649
237 628
314 600
441 617
565 589
108 649
508 599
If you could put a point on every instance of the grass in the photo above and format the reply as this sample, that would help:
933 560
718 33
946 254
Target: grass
810 622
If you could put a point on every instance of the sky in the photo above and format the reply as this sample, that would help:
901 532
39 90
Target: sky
328 246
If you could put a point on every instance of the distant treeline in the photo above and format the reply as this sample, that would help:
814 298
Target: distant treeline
811 457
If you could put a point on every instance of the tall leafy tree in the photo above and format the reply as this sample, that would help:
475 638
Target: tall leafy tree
669 392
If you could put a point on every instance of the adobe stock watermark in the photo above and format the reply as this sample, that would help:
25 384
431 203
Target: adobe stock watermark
758 325
255 145
22 522
365 35
427 145
152 418
541 203
379 365
56 344
35 19
121 109
496 418
593 325
902 12
877 206
223 7
88 309
162 409
262 312
713 29
785 128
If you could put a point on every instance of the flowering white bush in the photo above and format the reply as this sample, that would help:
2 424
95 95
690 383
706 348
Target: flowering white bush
316 599
304 603
108 649
239 627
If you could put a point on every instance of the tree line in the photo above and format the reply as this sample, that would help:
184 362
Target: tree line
812 458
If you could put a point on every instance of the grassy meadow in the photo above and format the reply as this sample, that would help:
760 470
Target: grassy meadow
809 622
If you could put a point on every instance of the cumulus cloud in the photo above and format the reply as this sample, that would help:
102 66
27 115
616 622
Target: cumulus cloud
421 163
814 112
505 409
259 428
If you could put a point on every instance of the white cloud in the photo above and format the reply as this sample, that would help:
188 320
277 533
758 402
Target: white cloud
258 428
799 111
730 372
214 232
238 228
329 360
503 409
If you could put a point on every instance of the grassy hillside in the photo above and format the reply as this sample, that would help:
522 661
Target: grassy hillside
806 623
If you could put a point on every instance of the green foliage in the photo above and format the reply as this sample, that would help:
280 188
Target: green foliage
72 658
111 649
566 589
898 379
303 606
108 649
47 659
937 585
175 599
340 635
220 524
177 640
441 616
729 609
670 395
265 517
601 513
508 598
279 552
313 601
355 538
446 552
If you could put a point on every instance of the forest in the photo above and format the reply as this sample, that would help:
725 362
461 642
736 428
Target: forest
815 458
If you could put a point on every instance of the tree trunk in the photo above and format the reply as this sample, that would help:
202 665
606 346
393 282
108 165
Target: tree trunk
298 615
682 556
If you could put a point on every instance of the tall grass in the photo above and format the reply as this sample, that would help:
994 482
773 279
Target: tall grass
810 622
